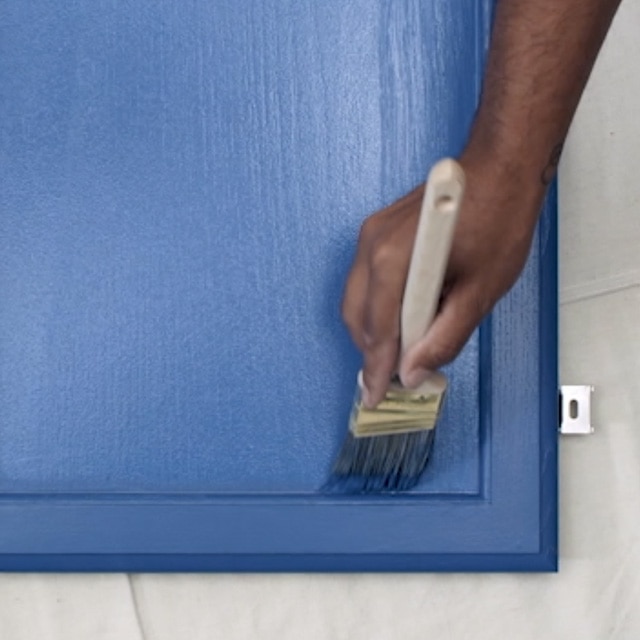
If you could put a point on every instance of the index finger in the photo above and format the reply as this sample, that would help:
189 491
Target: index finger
381 325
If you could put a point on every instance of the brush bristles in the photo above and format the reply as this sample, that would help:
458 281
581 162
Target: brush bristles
381 463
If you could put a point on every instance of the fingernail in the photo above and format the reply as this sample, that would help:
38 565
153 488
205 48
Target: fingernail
366 398
415 378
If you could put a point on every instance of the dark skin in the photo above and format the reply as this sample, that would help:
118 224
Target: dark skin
542 52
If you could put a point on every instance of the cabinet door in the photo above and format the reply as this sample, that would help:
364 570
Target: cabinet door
182 185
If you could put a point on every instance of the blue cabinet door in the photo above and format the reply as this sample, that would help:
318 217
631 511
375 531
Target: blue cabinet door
181 188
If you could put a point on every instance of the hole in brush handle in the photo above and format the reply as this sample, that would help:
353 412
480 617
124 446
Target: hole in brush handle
444 204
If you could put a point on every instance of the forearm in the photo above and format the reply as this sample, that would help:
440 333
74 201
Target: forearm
541 55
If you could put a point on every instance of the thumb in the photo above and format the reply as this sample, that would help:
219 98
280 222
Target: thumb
461 312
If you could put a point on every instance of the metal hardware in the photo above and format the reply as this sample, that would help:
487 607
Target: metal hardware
575 409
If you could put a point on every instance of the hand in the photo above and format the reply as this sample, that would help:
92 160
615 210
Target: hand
490 247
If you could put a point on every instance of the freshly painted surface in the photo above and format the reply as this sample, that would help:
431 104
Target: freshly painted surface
182 187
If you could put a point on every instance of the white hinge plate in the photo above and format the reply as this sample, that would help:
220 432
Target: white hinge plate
575 409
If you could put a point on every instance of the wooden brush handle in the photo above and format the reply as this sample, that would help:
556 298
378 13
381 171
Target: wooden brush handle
438 216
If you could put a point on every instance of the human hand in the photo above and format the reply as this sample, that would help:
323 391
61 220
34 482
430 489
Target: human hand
490 247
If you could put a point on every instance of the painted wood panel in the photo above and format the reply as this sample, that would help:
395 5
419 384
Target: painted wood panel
182 187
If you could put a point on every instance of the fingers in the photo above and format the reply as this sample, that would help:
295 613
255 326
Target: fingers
373 293
371 311
381 323
355 291
353 302
461 312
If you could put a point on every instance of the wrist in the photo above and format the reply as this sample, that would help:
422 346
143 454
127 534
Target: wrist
528 159
512 167
512 181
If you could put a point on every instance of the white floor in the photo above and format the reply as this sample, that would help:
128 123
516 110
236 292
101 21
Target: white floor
595 596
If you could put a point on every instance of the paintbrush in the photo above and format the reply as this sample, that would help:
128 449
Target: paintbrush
387 448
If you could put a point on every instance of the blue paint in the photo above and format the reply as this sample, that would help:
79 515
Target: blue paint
182 185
